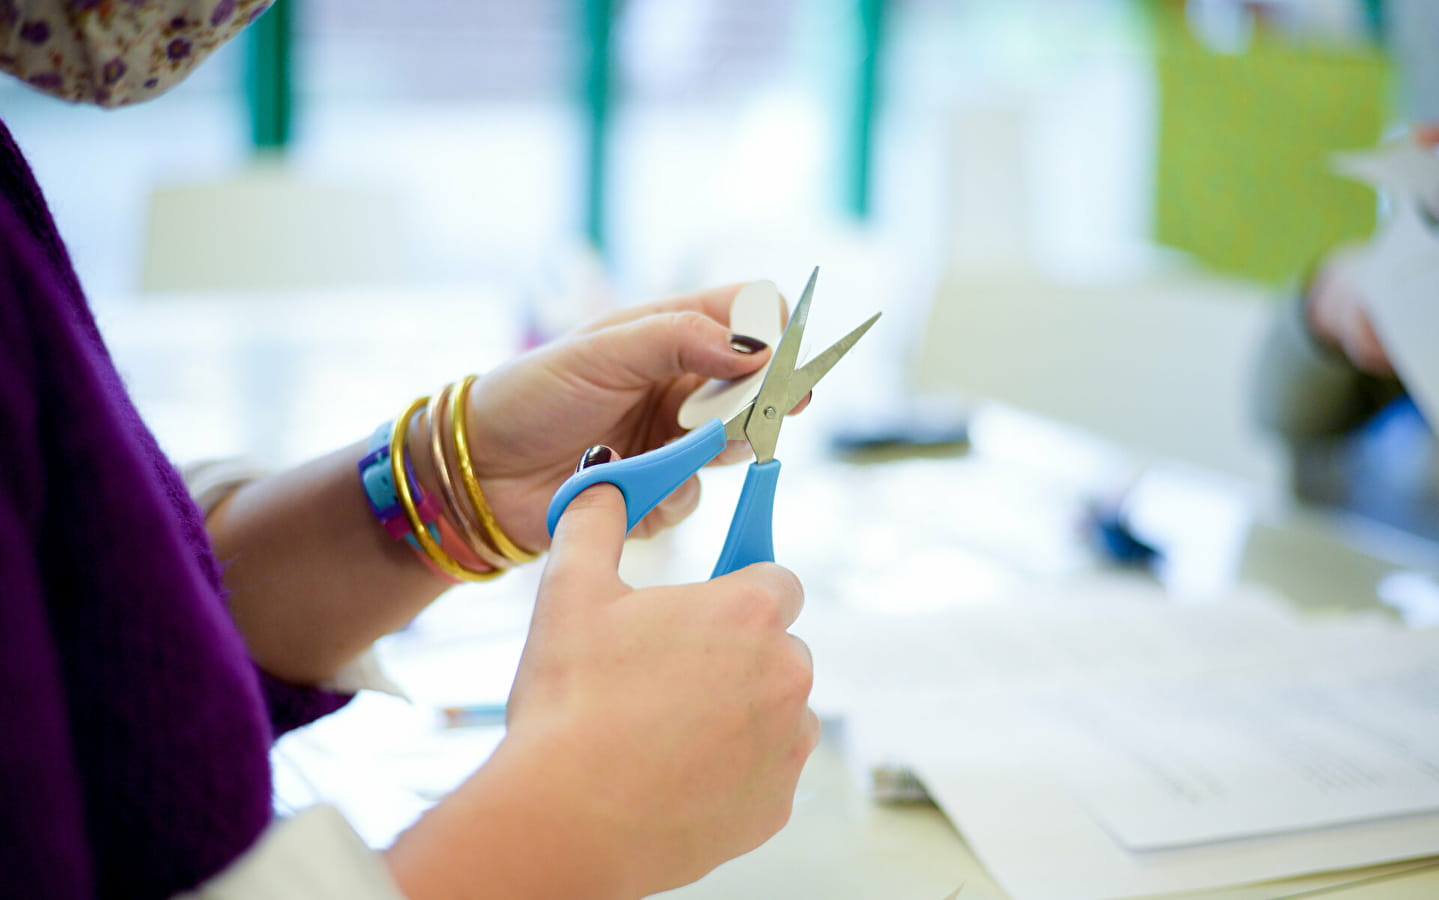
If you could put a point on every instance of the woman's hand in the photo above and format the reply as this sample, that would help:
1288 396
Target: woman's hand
1336 312
1336 309
653 734
618 382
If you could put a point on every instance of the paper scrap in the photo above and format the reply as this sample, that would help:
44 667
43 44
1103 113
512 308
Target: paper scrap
1010 770
757 311
1201 760
1402 168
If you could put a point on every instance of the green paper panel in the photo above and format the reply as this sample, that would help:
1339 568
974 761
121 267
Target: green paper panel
1243 178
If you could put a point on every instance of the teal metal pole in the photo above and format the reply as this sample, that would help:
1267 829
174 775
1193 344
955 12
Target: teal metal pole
859 143
269 92
1374 18
598 17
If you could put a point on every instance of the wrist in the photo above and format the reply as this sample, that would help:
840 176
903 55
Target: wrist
421 485
408 511
428 477
518 827
466 424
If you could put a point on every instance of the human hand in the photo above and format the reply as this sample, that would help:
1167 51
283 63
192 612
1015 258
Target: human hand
1335 307
652 734
618 382
1335 311
675 719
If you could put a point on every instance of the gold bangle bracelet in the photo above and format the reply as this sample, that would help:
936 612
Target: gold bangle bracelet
437 555
507 548
469 530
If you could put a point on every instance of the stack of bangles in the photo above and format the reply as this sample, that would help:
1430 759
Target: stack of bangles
457 537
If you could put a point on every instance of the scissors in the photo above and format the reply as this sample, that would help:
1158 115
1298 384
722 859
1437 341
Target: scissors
647 479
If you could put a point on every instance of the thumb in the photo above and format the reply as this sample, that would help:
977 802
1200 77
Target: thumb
588 540
667 345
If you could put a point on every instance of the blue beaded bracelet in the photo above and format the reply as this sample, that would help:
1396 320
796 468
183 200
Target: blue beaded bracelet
379 484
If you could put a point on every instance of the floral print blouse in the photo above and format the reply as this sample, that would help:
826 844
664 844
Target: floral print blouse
114 52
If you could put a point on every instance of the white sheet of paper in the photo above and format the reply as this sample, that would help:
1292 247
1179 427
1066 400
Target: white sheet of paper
1106 629
758 311
1399 279
1203 760
1401 167
1004 766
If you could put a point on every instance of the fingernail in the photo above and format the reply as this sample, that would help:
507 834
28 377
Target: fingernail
594 456
743 343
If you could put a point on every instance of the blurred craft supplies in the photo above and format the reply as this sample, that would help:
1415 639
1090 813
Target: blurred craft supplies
649 478
473 715
1151 747
1399 270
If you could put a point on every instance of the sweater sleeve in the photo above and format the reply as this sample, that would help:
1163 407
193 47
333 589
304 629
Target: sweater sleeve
43 836
291 706
314 856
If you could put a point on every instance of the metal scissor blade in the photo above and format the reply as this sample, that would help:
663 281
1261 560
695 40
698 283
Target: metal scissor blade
811 372
734 428
804 379
763 424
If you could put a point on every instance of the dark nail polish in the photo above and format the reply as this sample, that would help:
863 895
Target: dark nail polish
743 343
594 456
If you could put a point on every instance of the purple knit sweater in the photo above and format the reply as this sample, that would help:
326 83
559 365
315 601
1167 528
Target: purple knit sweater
134 729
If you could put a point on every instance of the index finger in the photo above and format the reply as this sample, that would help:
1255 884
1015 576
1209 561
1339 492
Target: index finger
714 302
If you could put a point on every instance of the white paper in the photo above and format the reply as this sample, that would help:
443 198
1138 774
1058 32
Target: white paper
1109 628
1399 279
1203 760
1010 772
758 311
1402 168
1041 844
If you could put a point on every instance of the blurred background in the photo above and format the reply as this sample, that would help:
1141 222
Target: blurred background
1079 217
1025 188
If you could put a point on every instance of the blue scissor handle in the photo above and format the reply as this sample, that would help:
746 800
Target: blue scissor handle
646 479
750 537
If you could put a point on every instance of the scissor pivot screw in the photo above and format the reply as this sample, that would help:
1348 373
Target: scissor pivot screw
770 412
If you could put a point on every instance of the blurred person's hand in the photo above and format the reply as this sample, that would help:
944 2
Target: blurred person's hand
1335 307
1337 317
652 734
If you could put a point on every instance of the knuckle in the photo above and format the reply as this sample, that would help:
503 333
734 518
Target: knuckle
768 602
759 608
804 749
689 325
790 677
786 580
781 811
682 333
812 731
597 496
799 681
804 676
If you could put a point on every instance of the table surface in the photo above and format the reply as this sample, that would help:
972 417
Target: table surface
841 844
